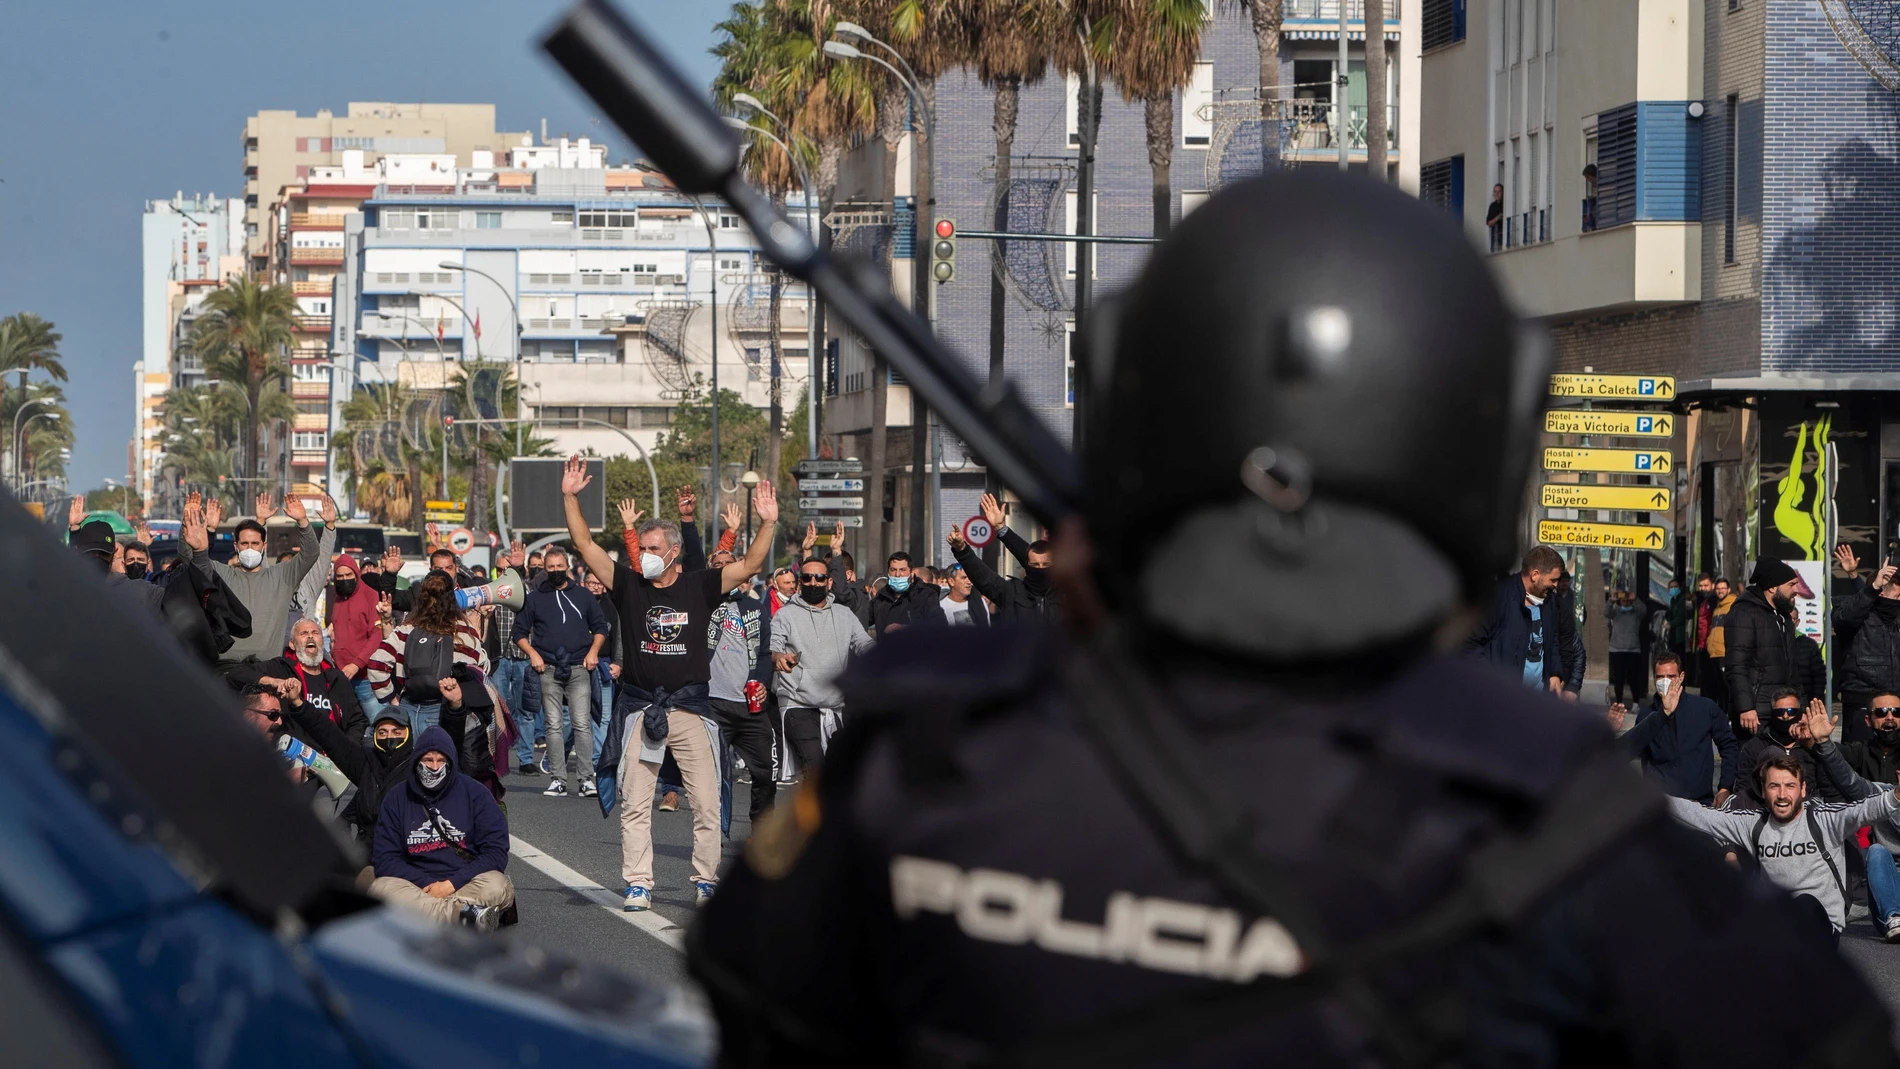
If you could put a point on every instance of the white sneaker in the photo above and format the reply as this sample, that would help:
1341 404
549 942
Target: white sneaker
480 918
638 900
588 790
705 892
557 789
1893 928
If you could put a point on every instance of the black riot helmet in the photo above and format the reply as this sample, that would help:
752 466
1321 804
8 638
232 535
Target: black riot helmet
1310 424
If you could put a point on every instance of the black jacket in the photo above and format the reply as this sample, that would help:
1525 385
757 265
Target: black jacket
915 607
1761 653
373 771
1872 663
1015 602
1503 638
326 689
1756 752
1810 669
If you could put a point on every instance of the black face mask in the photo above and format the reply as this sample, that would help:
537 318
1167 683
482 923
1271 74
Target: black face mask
345 587
1782 731
814 593
557 579
1037 580
135 570
391 745
1888 737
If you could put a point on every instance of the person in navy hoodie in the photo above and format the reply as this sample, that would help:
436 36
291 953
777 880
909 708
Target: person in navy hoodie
441 841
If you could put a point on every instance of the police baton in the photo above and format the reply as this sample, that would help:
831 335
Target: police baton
676 127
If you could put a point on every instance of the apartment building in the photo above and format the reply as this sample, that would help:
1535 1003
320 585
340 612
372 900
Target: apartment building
602 284
1704 189
189 245
1219 138
281 147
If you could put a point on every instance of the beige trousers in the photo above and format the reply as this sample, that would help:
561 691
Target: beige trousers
692 751
489 889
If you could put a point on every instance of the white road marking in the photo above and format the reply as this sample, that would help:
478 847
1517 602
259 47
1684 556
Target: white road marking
647 921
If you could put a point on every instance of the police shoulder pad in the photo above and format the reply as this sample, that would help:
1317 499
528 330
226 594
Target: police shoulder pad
968 667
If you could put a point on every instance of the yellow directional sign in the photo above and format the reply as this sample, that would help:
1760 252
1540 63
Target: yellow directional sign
1615 498
1640 461
1601 535
1639 424
1605 387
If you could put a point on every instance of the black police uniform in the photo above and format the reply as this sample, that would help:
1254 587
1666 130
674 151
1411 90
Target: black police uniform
1251 818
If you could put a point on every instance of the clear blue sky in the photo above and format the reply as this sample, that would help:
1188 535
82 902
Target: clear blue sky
109 103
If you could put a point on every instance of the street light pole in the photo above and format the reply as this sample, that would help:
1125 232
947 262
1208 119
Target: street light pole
813 361
514 307
712 306
19 441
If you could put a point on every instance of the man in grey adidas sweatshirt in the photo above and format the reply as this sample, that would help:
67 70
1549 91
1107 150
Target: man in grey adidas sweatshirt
265 589
1799 844
812 638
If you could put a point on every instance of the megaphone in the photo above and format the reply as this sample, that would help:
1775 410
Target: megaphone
323 768
506 590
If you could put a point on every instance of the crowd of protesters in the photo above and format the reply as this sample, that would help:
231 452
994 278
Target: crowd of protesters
651 676
660 674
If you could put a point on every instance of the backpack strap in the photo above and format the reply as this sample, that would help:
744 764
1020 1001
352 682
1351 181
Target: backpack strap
1820 843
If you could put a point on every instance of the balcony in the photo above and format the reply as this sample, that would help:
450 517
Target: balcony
316 324
304 458
312 289
1327 11
1312 135
316 220
308 391
1642 264
321 257
312 421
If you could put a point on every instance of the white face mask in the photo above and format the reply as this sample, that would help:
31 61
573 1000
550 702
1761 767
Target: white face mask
1662 685
250 558
1533 599
651 566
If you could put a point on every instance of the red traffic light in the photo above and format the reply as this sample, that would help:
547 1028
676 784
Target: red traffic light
448 421
946 228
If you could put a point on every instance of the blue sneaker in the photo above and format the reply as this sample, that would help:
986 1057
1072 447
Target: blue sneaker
705 892
638 899
546 768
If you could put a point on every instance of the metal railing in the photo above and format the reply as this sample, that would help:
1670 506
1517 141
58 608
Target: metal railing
1314 128
1328 10
316 220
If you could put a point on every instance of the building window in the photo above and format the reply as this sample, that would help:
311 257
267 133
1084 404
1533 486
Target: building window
396 219
1616 167
310 372
1731 211
488 220
312 408
609 219
1443 183
1068 227
1442 22
561 218
731 264
1072 110
309 441
1197 108
1192 199
728 221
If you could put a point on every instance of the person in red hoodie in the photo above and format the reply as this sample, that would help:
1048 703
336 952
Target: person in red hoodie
356 628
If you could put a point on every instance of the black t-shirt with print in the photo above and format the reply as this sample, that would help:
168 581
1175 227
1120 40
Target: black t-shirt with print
663 629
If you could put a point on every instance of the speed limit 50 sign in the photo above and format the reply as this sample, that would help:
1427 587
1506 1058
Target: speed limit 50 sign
978 532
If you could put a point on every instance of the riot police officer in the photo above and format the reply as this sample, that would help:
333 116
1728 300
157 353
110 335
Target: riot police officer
1249 810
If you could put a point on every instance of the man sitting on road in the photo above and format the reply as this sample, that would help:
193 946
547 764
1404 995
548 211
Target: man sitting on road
441 843
266 590
812 639
1674 734
1784 733
1800 844
320 684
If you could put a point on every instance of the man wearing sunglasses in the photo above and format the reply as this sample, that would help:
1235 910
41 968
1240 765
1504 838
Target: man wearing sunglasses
812 639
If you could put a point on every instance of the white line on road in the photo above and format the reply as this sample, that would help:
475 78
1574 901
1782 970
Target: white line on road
647 921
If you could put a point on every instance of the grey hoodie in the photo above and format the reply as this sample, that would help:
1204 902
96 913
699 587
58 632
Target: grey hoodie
266 592
824 637
1788 853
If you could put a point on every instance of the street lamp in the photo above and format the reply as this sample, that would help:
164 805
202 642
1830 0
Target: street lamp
125 502
402 341
449 265
16 430
811 294
925 205
19 427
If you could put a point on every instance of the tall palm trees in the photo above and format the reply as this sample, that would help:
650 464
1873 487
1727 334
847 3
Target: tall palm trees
1154 46
1266 32
242 339
1375 89
29 343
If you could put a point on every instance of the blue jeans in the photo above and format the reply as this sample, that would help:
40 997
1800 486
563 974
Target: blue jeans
603 702
366 698
525 702
568 704
423 716
1883 883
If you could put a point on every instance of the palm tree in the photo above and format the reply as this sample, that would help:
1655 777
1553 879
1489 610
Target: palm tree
387 452
27 343
1154 45
1375 89
244 333
1266 32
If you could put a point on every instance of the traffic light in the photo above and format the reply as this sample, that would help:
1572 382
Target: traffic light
943 251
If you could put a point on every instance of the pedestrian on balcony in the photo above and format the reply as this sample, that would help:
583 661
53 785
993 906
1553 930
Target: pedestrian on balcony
1494 217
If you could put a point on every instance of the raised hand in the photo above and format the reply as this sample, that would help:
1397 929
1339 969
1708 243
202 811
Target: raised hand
265 510
191 527
629 513
194 500
328 512
1616 714
118 557
992 511
1885 575
686 499
1820 726
76 513
731 515
392 560
811 538
837 538
294 508
451 691
518 552
574 477
214 514
955 538
765 503
1845 557
142 530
